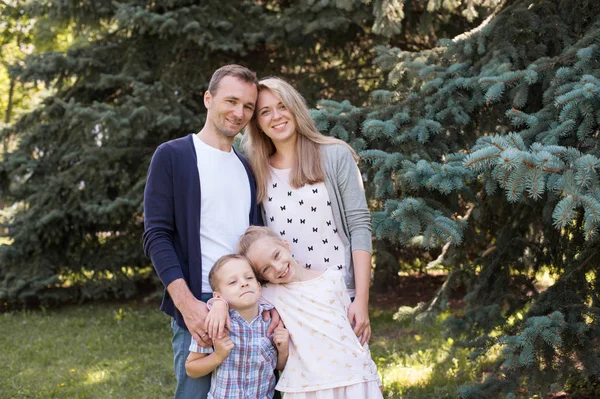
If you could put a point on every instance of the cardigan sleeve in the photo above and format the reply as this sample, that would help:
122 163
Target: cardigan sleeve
349 181
159 217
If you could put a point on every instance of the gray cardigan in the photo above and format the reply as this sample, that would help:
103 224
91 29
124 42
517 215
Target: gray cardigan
347 195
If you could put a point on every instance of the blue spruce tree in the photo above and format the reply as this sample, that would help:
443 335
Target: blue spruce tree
484 153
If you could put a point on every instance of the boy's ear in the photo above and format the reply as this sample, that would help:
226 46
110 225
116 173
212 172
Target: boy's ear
216 294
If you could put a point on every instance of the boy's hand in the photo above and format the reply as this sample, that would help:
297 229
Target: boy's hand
217 320
281 338
223 347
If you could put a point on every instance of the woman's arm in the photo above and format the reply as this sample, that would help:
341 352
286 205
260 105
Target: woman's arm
358 313
358 219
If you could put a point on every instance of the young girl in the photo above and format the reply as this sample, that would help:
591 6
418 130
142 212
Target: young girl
326 359
312 193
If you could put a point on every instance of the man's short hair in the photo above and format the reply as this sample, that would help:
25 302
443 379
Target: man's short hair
234 70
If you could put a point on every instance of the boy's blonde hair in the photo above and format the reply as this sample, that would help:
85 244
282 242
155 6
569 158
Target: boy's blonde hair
307 167
213 279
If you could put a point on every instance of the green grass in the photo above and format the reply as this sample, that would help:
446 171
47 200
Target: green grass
92 351
416 360
124 351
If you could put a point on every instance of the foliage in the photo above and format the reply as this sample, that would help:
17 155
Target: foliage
484 153
132 78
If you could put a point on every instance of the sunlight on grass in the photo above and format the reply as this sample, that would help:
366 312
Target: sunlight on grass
405 376
84 275
417 361
95 377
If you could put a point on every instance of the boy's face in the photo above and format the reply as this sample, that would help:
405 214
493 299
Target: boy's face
237 284
273 260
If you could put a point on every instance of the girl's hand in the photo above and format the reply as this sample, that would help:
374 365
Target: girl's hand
217 319
272 315
223 347
358 314
281 338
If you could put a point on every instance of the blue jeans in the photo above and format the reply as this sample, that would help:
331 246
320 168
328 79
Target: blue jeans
187 388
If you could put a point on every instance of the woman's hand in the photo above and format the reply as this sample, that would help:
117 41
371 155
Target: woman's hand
358 314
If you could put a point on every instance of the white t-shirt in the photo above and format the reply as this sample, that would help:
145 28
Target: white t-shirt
303 217
225 204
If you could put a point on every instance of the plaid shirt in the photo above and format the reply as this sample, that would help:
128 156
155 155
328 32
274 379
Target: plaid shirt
247 373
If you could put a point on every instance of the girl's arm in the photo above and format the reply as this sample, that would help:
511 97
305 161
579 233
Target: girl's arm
217 319
201 364
281 338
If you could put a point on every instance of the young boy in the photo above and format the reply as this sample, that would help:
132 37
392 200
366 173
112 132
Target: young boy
244 360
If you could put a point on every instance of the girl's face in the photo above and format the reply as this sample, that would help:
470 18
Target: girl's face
274 118
273 260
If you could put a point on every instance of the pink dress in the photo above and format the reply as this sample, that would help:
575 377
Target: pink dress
326 358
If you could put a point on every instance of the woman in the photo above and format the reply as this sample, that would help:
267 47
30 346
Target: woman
312 193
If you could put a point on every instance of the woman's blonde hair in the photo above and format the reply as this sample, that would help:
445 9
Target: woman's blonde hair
307 167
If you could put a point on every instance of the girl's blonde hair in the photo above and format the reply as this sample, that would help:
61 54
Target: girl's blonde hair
250 236
253 234
307 167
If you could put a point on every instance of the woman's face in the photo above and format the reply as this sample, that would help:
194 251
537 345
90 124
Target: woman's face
274 118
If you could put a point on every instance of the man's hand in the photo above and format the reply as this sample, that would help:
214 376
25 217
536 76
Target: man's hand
217 319
193 311
194 314
272 315
223 347
358 314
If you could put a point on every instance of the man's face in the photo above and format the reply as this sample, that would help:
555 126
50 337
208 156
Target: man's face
237 284
231 107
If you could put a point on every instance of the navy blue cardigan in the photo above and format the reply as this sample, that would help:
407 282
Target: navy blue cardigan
172 217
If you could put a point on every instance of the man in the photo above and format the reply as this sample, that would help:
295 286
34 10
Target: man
199 199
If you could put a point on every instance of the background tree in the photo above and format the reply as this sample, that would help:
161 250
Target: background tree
132 78
485 153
